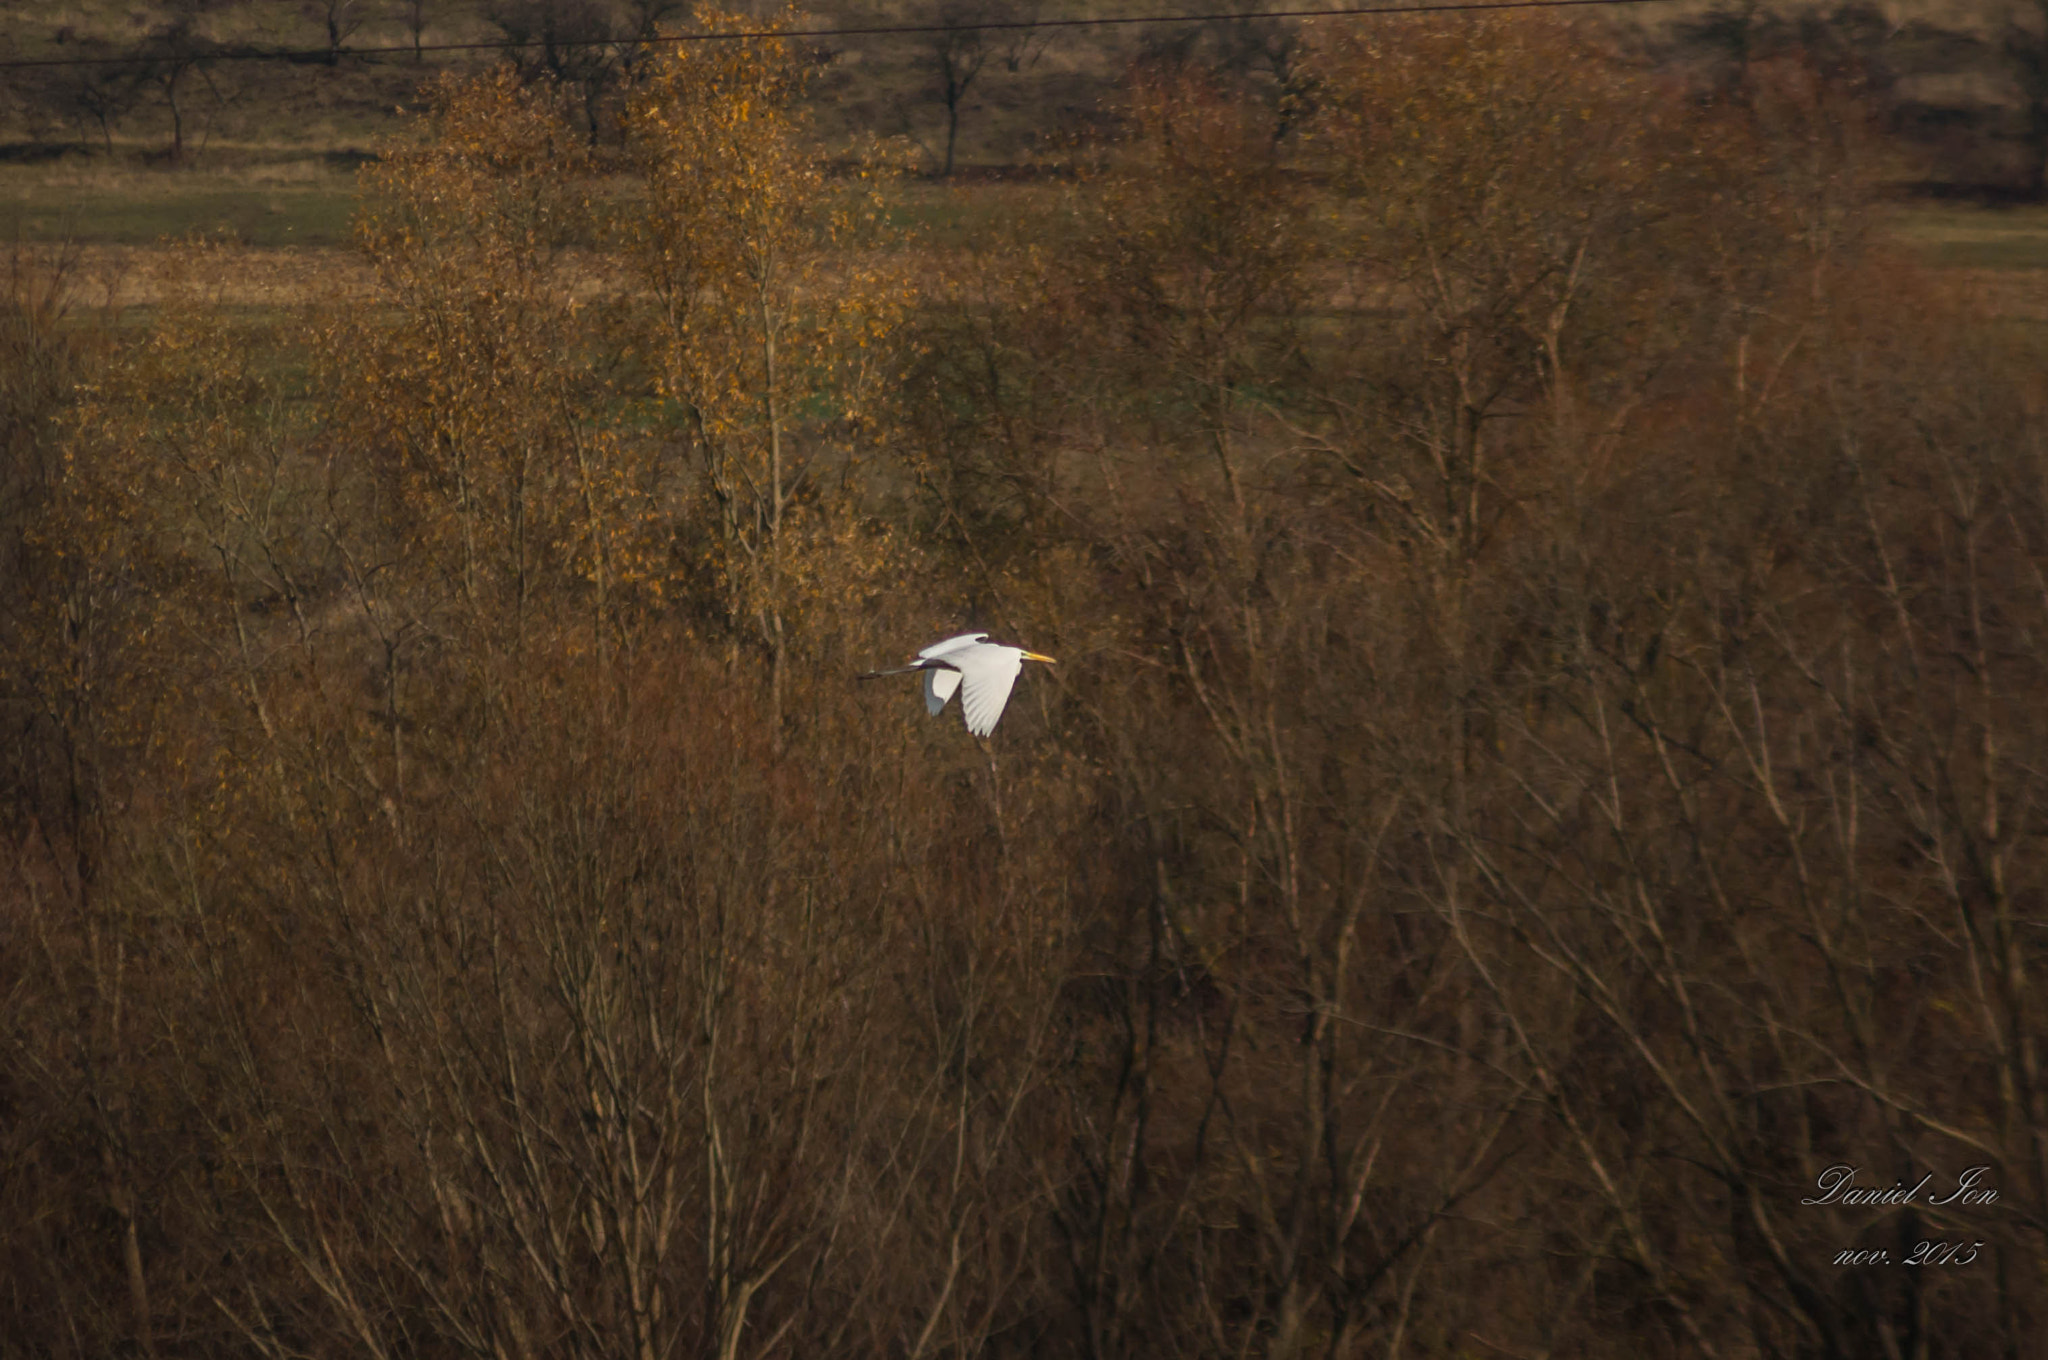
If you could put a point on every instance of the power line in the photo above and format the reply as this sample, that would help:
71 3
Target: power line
311 54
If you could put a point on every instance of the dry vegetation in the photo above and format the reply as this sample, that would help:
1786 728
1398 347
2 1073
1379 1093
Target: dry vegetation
182 91
1543 763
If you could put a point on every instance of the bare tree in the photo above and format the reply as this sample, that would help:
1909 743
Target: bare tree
90 97
965 36
581 43
2026 50
416 25
341 18
174 53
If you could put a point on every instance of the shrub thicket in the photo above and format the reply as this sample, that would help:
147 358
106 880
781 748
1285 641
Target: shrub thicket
1543 762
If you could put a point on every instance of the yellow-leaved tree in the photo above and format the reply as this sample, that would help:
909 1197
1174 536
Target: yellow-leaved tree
770 327
480 387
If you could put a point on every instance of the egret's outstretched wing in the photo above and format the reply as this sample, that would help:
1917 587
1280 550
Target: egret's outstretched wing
987 674
939 684
939 651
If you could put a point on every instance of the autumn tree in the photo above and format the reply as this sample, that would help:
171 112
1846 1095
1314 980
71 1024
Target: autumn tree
769 335
1505 475
502 480
116 626
642 885
1242 1042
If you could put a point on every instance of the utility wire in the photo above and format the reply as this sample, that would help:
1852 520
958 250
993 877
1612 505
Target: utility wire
311 54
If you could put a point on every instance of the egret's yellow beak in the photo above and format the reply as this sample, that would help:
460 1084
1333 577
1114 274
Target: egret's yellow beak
1034 656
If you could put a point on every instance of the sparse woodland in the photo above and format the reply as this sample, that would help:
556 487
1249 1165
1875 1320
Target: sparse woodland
1549 751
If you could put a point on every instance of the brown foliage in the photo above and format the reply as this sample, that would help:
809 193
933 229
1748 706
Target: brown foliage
1544 762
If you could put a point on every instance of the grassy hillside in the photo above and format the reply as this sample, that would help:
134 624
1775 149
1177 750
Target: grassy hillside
241 111
1939 73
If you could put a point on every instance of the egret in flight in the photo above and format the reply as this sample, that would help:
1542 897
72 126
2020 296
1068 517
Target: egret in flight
984 672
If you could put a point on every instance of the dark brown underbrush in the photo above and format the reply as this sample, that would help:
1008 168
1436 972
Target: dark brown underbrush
1540 769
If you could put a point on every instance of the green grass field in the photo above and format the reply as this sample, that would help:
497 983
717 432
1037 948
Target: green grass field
1962 236
306 205
309 204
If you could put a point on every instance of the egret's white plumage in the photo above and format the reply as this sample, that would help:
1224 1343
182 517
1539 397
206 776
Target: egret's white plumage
982 672
951 644
939 684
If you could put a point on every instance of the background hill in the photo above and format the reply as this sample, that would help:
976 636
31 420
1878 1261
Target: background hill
191 136
1959 85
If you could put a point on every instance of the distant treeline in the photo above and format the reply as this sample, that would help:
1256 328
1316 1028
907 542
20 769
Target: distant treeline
1966 102
1963 101
1533 845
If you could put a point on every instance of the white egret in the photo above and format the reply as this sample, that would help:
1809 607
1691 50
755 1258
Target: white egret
983 672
